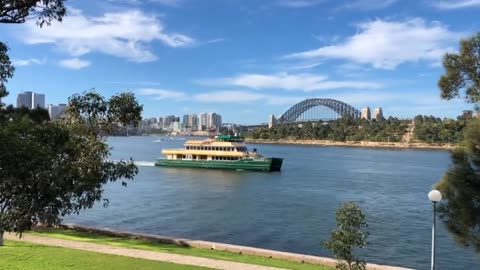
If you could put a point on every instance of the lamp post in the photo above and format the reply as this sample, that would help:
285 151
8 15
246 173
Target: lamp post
434 196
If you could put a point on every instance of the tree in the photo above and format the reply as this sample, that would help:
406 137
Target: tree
64 164
350 233
6 69
18 11
462 71
460 186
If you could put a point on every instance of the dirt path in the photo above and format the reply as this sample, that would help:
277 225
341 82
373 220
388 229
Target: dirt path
137 253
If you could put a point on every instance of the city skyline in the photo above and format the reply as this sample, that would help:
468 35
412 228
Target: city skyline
246 59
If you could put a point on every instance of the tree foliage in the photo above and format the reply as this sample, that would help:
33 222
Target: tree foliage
436 130
6 69
343 129
18 11
460 186
350 233
462 71
52 169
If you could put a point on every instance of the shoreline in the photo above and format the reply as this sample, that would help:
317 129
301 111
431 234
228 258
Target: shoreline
253 251
366 144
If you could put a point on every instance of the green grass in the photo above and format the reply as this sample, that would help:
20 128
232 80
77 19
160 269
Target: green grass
149 245
16 255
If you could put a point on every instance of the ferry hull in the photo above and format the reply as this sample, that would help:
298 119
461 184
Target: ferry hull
265 165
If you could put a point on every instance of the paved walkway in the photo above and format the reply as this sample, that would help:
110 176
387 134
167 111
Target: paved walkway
138 253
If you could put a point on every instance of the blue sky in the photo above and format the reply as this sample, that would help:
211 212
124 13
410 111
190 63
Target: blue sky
246 59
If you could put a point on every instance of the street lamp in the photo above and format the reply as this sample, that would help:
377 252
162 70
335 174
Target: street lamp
434 196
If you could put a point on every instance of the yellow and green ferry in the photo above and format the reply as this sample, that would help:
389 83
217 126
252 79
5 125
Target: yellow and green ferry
222 152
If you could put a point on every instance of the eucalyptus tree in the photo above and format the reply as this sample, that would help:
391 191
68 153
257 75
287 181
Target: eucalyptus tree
460 185
52 169
350 234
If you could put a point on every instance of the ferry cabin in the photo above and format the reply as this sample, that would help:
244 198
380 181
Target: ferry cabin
208 151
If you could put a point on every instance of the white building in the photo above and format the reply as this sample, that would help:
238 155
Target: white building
38 100
366 113
377 113
24 100
202 121
30 100
55 110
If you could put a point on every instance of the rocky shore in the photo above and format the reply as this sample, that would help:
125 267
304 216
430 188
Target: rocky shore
400 145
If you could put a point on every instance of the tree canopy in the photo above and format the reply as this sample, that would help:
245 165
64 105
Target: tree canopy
52 169
350 233
460 186
462 71
18 11
6 69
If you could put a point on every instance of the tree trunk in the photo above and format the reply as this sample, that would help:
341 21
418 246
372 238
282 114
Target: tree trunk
1 238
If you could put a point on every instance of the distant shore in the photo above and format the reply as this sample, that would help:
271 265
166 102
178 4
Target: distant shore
400 145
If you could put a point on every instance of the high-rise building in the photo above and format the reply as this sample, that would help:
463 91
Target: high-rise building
56 110
24 100
193 121
378 113
38 100
202 121
217 121
366 113
30 100
214 121
271 121
161 123
177 119
168 121
186 122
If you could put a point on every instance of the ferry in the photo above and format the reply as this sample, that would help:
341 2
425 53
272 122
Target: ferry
221 152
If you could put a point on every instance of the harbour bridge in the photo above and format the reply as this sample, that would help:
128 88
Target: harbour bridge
312 110
315 109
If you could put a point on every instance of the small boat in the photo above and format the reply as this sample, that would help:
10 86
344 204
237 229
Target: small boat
222 152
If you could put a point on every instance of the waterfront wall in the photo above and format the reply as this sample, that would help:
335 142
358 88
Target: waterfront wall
401 145
220 246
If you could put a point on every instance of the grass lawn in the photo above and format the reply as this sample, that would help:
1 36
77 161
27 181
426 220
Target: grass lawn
16 255
148 245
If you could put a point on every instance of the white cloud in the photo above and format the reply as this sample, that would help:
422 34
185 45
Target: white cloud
387 44
298 3
369 4
160 94
172 3
226 96
240 96
28 62
121 34
456 4
74 63
285 81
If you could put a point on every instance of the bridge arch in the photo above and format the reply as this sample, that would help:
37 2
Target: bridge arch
298 109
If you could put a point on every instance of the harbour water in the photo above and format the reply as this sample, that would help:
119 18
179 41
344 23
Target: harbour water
293 210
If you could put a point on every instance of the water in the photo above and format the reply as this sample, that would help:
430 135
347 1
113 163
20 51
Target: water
293 210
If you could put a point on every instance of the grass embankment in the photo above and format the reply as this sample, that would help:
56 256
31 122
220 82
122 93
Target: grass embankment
155 246
17 255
